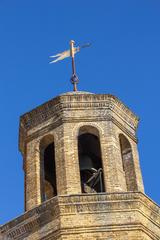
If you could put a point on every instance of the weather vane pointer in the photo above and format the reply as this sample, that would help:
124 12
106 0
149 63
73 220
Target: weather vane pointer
70 53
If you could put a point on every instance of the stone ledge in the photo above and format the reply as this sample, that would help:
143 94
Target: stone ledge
56 211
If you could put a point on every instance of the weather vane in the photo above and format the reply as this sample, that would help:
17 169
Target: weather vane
70 53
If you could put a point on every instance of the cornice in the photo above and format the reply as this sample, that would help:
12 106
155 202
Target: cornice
57 108
53 209
73 102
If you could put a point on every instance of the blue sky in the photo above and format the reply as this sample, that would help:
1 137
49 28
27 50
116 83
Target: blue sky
124 60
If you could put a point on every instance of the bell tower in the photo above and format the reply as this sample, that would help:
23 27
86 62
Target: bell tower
82 173
79 143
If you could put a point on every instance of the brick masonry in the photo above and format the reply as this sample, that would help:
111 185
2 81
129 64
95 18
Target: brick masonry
115 214
112 216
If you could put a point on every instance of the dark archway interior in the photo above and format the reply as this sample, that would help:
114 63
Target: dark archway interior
49 177
91 170
128 164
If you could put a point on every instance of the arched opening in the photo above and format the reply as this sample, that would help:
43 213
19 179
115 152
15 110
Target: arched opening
90 162
48 171
128 164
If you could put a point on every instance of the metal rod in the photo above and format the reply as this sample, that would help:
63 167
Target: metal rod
73 66
74 78
101 187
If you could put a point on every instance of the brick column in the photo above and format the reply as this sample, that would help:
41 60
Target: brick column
71 160
113 172
60 161
138 173
32 175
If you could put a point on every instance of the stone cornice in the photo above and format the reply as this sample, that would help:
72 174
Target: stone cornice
57 107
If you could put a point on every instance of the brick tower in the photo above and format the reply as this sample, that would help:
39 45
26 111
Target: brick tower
82 173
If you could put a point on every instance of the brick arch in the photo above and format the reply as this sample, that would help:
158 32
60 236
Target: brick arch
92 128
128 163
90 158
88 129
46 140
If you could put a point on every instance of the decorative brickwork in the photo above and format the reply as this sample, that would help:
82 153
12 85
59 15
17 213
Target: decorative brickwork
76 139
116 216
62 118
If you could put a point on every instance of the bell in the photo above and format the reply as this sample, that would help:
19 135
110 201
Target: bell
86 162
